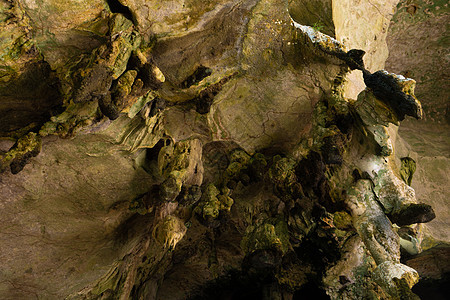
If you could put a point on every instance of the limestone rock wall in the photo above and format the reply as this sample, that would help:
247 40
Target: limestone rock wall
204 149
427 141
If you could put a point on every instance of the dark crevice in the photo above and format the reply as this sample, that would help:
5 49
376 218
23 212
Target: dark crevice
436 289
33 97
152 153
205 98
234 285
199 74
151 158
319 250
116 7
310 291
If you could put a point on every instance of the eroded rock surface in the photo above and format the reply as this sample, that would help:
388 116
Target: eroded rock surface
423 20
205 149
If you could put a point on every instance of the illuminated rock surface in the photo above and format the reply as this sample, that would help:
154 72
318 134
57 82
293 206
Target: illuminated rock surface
214 150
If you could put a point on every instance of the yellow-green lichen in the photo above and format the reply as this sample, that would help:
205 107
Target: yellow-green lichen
123 87
74 118
239 156
342 220
174 157
244 167
293 277
283 170
139 206
213 202
123 92
169 231
407 169
271 234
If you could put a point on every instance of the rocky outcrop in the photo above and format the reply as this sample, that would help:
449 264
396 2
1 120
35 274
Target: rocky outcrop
205 150
414 21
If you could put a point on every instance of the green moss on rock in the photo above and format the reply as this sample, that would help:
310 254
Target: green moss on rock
407 169
213 202
270 234
21 152
169 231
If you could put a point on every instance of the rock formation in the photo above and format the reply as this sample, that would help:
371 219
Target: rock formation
205 150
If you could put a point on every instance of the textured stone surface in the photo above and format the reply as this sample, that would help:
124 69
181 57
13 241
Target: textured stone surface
61 216
65 28
175 17
367 31
433 263
203 149
316 13
430 150
423 21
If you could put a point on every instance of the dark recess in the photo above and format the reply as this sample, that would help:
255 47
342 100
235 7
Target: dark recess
30 98
433 289
151 158
205 99
319 251
199 74
386 88
414 213
310 291
235 285
116 7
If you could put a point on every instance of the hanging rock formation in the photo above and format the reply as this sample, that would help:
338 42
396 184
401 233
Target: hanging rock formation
204 150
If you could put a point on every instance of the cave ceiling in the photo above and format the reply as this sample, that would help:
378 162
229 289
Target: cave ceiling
260 149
